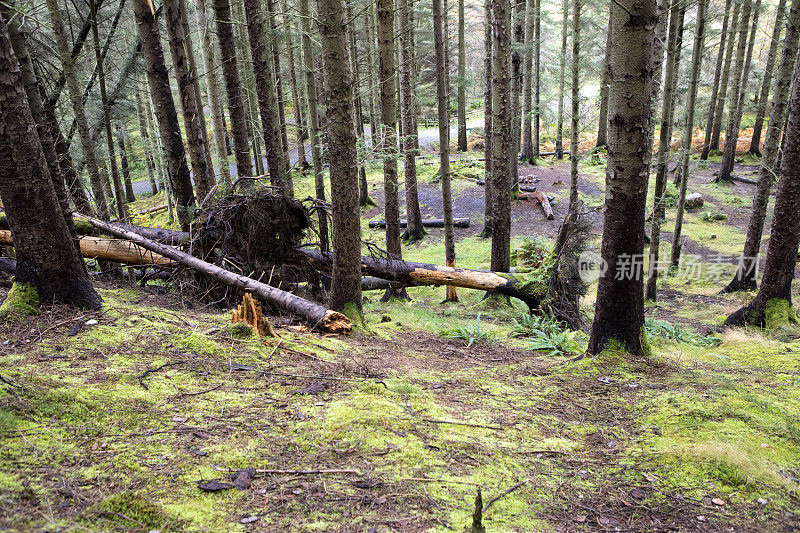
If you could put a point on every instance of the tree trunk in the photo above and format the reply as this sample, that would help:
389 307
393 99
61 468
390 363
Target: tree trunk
414 231
602 126
123 159
208 55
745 277
755 143
723 97
167 117
562 75
87 145
297 97
372 69
665 140
772 306
697 59
233 86
47 260
444 139
363 188
502 142
576 100
147 146
527 85
715 85
741 71
267 103
281 100
487 120
346 272
462 80
518 36
537 80
619 311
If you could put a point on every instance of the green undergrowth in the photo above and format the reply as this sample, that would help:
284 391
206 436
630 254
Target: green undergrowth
22 300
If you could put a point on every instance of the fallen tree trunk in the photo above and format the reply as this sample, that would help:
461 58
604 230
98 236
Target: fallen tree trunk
316 315
425 274
540 198
109 249
522 186
154 209
430 223
740 179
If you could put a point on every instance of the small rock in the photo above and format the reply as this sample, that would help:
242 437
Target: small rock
91 322
718 501
694 201
762 501
248 520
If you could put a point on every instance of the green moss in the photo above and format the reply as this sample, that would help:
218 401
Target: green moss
779 313
129 509
21 300
355 314
239 330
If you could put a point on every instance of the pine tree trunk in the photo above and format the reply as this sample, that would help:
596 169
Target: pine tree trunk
745 277
281 99
208 55
313 122
619 311
686 146
758 126
537 79
233 86
444 138
723 97
602 126
740 73
487 120
665 140
179 44
414 230
267 102
518 25
147 146
372 69
562 76
527 85
363 188
772 306
167 117
67 64
297 97
715 85
462 80
502 141
155 140
46 256
576 98
123 159
346 273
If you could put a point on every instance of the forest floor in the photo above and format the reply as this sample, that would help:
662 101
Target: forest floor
116 420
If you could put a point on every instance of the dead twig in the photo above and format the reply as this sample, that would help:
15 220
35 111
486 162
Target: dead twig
457 423
154 370
504 494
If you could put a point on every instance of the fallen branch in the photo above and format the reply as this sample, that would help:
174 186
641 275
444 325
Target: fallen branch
740 179
298 472
318 316
504 494
426 274
154 370
431 223
457 423
540 198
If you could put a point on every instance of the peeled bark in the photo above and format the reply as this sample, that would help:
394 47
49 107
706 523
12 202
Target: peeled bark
715 85
619 311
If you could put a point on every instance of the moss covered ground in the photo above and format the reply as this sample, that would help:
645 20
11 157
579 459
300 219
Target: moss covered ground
111 420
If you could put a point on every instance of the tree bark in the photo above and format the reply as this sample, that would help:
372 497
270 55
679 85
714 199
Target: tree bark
487 120
167 117
602 126
281 99
147 146
758 126
576 100
297 97
372 69
346 283
619 311
745 277
518 42
462 80
46 256
723 97
715 84
123 159
527 84
562 75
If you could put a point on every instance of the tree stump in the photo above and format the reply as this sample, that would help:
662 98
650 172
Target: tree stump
249 312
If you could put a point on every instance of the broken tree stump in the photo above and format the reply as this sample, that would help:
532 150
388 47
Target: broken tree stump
249 312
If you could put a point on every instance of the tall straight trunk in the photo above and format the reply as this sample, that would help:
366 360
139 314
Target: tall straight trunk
518 21
665 140
619 311
723 97
758 126
208 55
233 86
313 122
487 119
155 141
33 93
602 126
444 138
273 43
414 71
123 160
389 125
87 145
167 117
179 44
363 188
576 100
527 84
47 260
502 142
265 87
414 230
745 277
715 85
740 74
686 146
772 306
537 79
346 272
147 146
562 76
297 98
462 81
372 70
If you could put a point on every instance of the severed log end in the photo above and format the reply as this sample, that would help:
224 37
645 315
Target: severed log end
336 322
